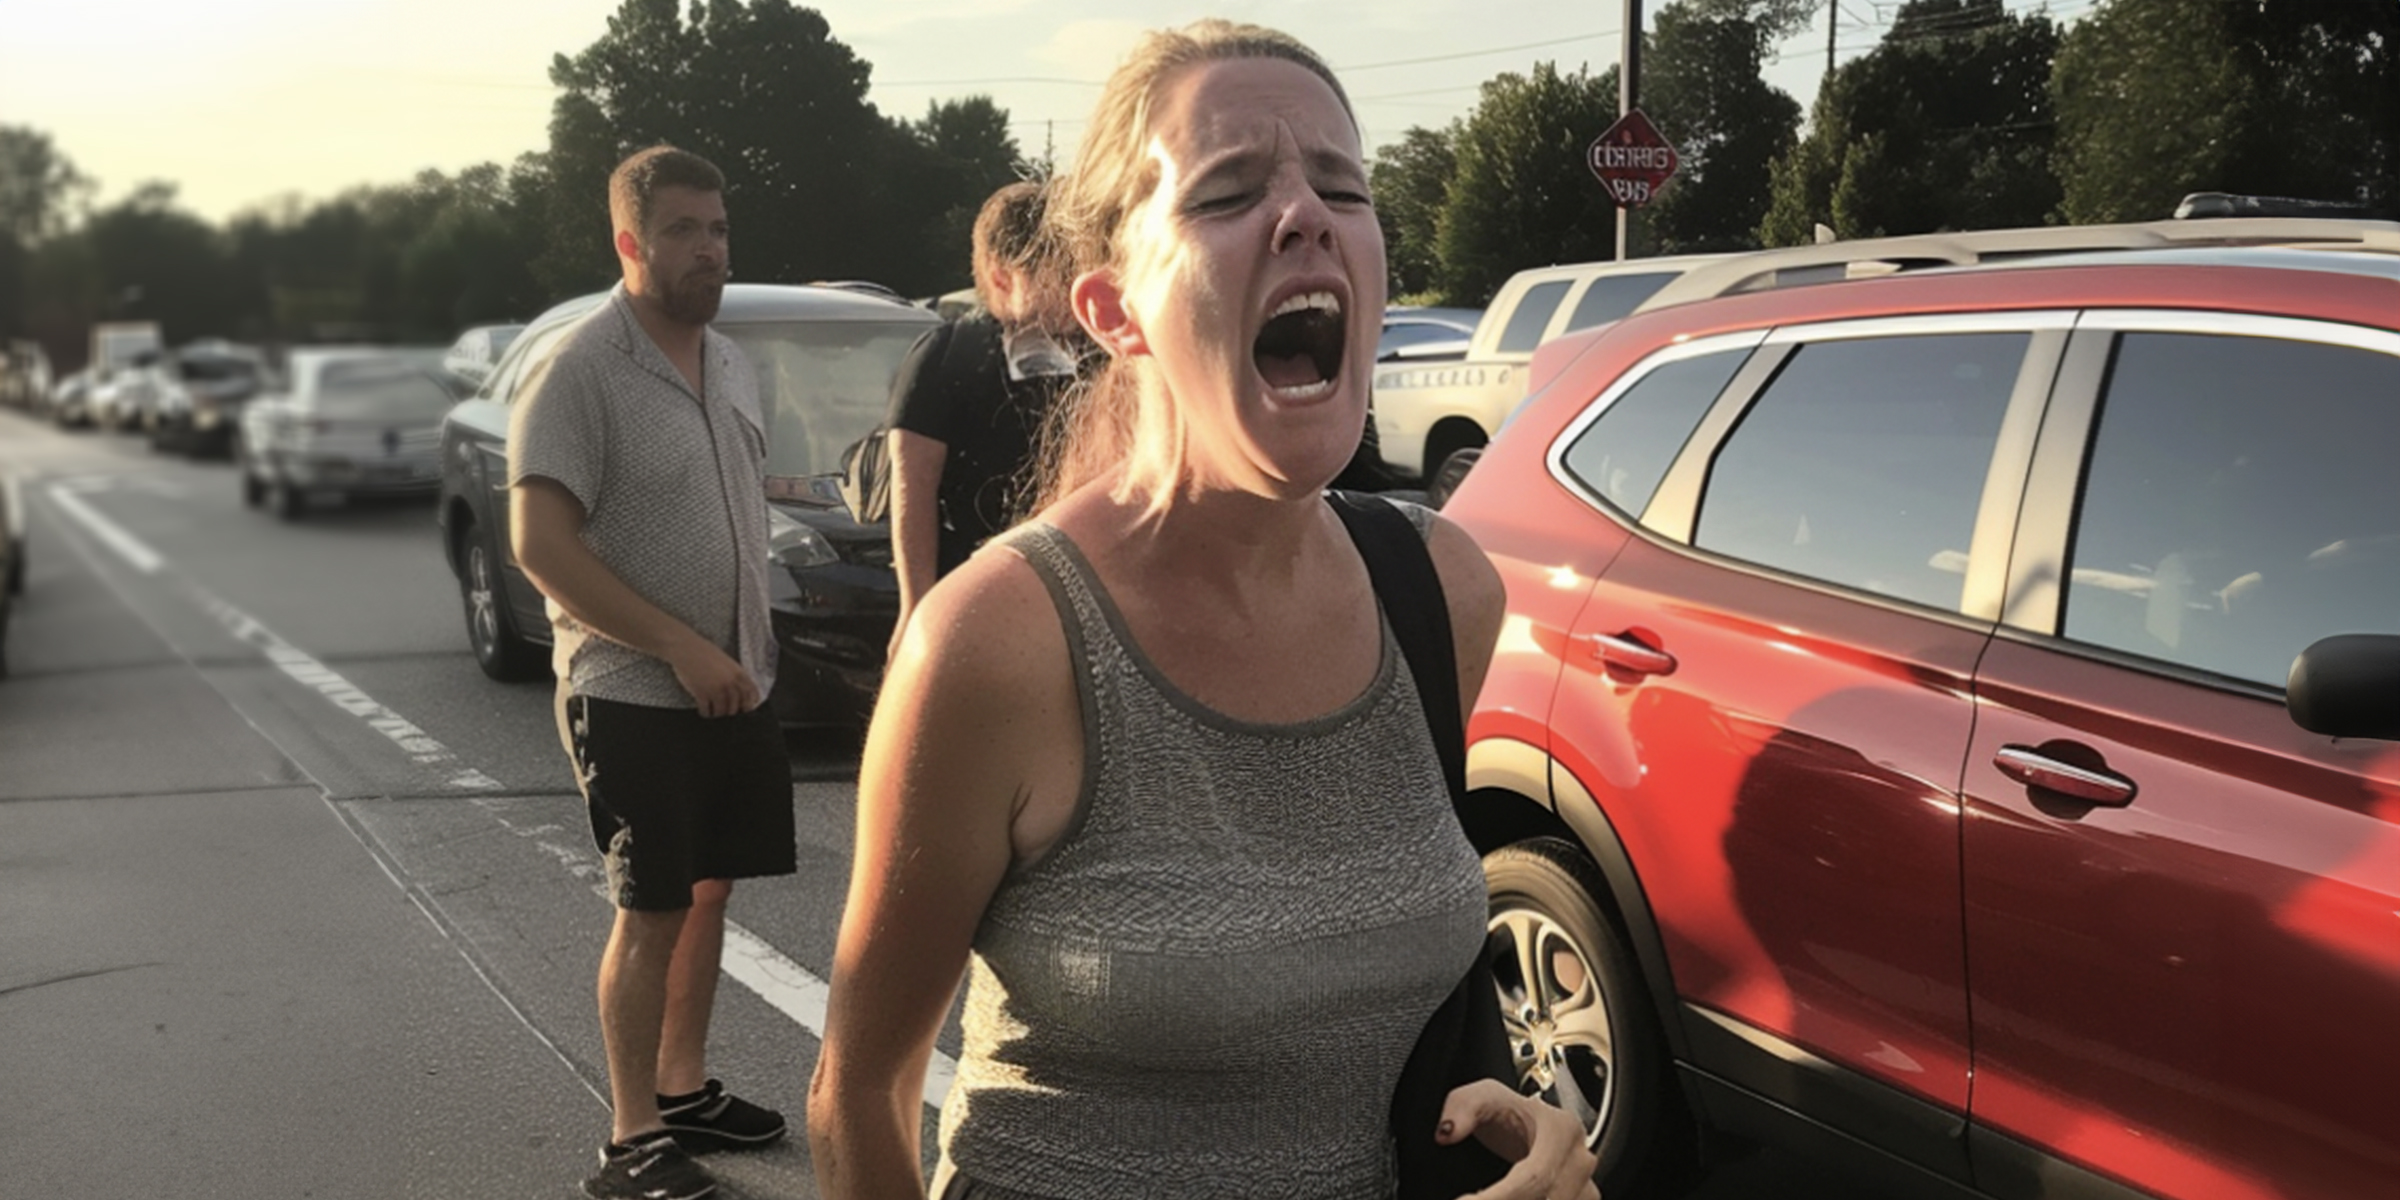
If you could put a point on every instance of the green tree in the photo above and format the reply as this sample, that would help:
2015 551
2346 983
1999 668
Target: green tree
1775 19
1523 195
1944 125
817 181
1410 180
1704 88
2160 98
155 261
967 154
40 189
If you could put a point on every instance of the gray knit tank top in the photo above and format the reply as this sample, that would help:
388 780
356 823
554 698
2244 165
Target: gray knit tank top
1208 986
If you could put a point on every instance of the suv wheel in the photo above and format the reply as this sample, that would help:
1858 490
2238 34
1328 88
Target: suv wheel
289 502
1580 1020
254 492
492 632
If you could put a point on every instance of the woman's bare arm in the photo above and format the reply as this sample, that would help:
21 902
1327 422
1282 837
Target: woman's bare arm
970 725
1478 602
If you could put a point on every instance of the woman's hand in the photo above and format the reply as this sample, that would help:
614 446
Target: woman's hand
1544 1142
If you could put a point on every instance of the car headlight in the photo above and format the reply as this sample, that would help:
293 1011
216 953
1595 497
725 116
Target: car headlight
795 544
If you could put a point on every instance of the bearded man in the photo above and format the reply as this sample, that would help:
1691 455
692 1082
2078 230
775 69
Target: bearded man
638 507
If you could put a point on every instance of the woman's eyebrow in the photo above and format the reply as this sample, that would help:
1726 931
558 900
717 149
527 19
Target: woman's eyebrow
1243 163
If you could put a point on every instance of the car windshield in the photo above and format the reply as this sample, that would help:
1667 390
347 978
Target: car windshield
822 385
217 370
380 388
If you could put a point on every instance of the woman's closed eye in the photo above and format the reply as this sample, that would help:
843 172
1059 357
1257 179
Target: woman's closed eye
1220 202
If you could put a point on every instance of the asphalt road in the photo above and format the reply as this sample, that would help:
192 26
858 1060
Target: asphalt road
295 902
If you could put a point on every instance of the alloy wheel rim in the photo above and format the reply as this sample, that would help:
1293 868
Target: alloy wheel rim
482 616
1560 1035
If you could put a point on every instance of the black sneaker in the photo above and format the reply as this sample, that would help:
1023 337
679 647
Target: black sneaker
650 1167
715 1119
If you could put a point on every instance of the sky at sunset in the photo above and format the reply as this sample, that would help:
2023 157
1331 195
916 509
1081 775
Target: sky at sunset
239 102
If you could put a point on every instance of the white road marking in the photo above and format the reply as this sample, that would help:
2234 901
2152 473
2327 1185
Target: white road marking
111 535
421 747
749 959
788 986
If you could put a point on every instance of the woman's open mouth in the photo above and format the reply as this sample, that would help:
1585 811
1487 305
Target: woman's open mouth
1299 352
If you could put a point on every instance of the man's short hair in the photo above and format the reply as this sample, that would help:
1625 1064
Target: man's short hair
1009 233
633 187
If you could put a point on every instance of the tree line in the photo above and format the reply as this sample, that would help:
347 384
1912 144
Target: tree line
1964 115
820 185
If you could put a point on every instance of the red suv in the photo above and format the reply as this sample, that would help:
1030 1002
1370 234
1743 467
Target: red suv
1895 750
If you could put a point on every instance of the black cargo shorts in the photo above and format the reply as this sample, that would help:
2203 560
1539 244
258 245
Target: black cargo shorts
676 797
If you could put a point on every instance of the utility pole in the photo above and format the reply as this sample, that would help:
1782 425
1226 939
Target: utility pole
1629 91
1833 25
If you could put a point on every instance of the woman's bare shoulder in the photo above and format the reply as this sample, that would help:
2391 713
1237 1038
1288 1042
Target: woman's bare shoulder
989 624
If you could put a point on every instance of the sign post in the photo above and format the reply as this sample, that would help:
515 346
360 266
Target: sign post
1633 161
1629 101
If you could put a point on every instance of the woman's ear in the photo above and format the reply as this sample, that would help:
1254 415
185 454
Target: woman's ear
1099 303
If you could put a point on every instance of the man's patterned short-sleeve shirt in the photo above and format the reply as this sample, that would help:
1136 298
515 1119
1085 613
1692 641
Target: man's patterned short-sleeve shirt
673 490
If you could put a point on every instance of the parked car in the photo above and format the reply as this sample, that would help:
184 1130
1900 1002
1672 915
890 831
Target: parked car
1422 334
1943 722
122 398
24 373
12 556
353 421
1427 410
207 384
70 400
825 358
471 358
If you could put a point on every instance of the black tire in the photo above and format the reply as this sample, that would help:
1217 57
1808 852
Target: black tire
491 630
289 503
1452 436
254 493
1582 1024
1449 475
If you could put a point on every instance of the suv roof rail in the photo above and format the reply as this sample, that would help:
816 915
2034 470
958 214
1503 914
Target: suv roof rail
1765 270
2230 204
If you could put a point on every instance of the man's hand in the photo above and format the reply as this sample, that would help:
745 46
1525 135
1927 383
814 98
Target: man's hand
1545 1143
720 686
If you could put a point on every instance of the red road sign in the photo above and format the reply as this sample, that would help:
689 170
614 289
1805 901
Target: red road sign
1633 160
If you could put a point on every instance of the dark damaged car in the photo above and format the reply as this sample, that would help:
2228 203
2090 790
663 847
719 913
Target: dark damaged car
825 359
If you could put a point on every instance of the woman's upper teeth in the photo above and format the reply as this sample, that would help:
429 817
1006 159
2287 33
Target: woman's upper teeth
1306 300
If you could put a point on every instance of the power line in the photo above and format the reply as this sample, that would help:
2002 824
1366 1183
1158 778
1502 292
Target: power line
1411 62
985 82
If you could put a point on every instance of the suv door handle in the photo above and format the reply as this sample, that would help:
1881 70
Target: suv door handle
1622 652
2033 768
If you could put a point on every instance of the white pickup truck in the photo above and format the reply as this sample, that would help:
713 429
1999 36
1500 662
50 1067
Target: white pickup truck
1426 411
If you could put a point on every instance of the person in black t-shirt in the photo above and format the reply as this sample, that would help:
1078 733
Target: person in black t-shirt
968 404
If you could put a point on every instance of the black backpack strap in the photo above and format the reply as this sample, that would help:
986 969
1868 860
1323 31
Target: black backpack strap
1465 1039
1410 590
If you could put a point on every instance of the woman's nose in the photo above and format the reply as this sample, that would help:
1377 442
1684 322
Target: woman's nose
1301 218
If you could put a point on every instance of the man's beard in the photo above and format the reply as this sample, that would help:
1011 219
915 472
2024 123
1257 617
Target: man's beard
693 300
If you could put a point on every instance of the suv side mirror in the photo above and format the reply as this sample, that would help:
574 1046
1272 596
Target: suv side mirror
2347 685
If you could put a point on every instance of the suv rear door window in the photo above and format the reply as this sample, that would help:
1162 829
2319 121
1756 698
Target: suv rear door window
1525 326
1863 462
1612 296
1623 455
2239 503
